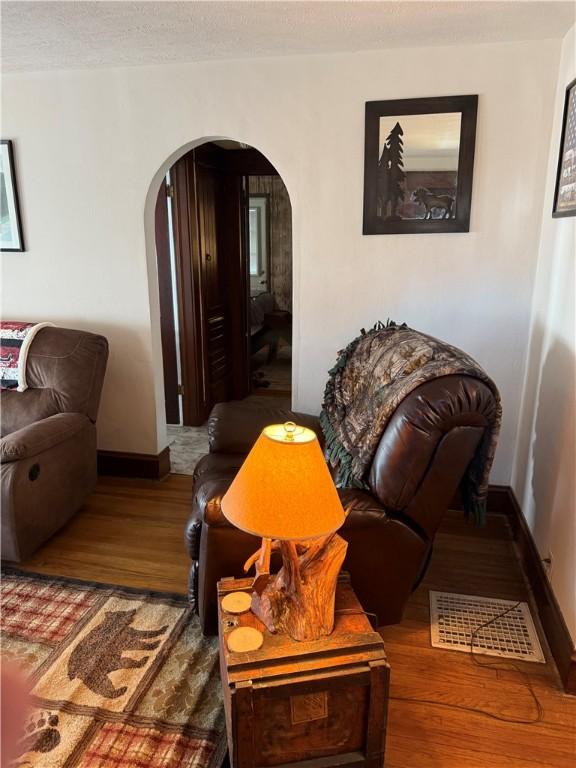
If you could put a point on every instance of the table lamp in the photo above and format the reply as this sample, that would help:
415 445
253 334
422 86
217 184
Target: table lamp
284 493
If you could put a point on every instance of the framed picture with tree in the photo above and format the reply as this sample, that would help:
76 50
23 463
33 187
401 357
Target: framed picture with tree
11 238
418 165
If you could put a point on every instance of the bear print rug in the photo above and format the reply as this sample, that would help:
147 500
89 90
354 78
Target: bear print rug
120 678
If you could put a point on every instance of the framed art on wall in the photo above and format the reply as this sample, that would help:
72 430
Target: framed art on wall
418 165
10 225
565 192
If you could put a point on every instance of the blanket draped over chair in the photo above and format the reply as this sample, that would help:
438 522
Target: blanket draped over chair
15 340
371 377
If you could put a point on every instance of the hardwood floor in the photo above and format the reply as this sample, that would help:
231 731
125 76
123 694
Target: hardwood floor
131 533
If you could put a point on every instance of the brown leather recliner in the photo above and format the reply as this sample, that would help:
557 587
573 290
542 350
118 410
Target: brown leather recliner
48 443
416 470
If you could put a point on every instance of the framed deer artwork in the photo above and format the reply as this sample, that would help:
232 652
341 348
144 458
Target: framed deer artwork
418 165
565 192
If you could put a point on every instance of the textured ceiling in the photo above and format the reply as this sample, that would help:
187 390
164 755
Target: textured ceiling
70 35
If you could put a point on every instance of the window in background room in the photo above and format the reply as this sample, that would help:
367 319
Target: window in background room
258 243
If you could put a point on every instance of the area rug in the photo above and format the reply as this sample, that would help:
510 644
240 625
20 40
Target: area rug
121 678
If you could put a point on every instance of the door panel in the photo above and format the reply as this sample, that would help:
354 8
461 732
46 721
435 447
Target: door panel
233 252
217 359
213 295
206 181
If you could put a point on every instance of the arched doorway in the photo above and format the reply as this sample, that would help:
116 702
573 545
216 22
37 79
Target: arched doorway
223 233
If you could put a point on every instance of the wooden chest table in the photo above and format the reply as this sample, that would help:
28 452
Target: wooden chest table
306 704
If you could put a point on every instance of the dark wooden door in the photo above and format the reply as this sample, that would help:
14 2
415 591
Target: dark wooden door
212 306
233 238
195 401
213 288
209 207
167 324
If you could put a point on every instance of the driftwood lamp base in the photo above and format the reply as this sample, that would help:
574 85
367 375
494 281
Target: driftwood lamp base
299 599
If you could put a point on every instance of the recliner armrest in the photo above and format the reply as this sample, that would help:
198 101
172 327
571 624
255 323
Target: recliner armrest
40 436
235 426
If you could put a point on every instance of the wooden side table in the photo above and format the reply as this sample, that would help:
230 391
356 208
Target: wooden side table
315 704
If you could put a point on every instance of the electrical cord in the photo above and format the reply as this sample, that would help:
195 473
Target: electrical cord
496 665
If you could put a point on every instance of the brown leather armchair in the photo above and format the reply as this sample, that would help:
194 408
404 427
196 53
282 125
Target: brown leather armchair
418 465
48 443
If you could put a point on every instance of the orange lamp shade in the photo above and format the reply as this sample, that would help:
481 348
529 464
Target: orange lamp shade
284 489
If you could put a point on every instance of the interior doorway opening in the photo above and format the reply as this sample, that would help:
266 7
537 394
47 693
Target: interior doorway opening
223 230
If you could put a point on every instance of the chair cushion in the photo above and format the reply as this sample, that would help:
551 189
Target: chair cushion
64 370
235 426
362 509
19 409
212 478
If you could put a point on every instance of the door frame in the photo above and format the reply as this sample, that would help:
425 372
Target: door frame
170 363
238 165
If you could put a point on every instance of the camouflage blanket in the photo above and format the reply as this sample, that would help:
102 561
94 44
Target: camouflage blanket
371 377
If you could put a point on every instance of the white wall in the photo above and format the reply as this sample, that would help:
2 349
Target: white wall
89 143
545 460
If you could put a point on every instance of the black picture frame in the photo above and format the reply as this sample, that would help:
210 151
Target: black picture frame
373 224
12 199
564 163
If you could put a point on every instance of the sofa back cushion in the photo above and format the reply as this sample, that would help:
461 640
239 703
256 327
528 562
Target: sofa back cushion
64 371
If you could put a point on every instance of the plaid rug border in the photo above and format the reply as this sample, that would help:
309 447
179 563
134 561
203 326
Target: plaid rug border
176 597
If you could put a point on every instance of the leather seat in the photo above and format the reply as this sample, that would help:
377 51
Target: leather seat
421 458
